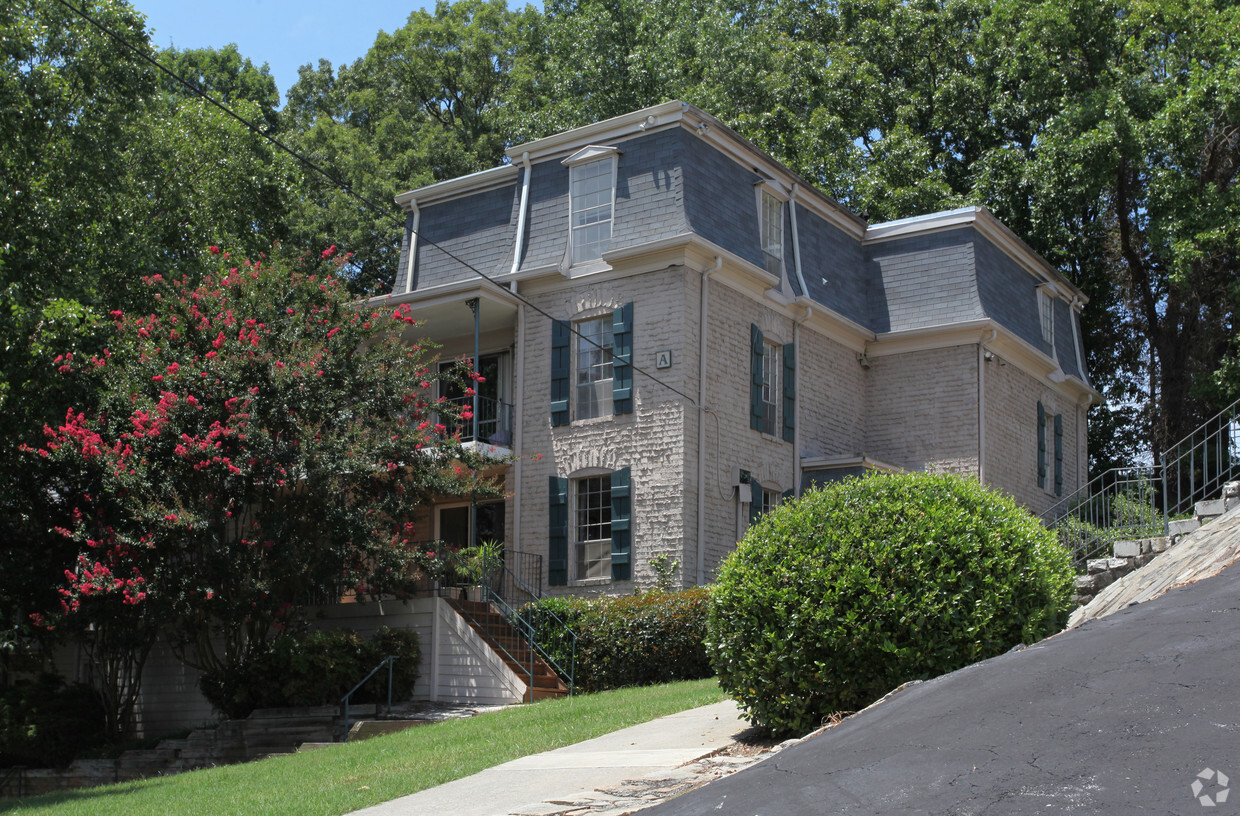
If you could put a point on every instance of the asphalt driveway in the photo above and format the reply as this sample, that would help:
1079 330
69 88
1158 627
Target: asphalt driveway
1121 715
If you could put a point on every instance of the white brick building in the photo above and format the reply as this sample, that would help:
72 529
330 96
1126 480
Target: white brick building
831 345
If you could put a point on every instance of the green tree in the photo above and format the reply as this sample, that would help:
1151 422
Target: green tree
418 108
256 441
106 179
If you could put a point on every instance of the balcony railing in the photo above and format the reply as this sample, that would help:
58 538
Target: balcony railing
494 421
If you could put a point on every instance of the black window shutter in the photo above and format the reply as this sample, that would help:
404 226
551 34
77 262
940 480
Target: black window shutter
790 391
622 360
1058 454
557 545
756 350
621 534
755 501
560 362
1041 446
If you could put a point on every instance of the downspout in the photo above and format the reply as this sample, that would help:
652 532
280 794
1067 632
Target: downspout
703 303
521 214
796 401
413 245
518 386
981 406
796 241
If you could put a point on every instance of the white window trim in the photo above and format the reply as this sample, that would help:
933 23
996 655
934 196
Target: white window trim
584 156
575 402
576 541
777 192
1046 317
772 363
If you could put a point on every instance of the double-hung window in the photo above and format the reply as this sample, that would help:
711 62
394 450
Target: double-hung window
772 223
593 367
591 197
1046 313
770 389
592 527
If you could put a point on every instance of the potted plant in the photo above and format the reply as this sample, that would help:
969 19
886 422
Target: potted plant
480 565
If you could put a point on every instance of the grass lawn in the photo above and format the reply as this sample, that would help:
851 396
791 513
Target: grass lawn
344 778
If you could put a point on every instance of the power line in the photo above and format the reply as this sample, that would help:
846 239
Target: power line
195 89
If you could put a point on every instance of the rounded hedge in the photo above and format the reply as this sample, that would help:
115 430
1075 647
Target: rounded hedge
838 597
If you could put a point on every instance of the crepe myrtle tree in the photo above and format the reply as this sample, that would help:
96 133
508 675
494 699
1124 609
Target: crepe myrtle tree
257 441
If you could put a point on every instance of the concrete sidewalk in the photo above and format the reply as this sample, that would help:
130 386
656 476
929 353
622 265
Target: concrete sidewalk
594 774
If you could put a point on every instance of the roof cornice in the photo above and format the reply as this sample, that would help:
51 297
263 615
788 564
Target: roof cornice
992 229
473 183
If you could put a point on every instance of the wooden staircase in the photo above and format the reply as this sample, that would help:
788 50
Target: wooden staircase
512 648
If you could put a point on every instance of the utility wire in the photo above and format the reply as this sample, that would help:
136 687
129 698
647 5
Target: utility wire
195 89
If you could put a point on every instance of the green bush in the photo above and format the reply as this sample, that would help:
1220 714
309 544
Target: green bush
316 668
836 598
630 641
46 722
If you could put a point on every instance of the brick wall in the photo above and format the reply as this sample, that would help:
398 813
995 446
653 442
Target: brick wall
651 441
1012 436
921 410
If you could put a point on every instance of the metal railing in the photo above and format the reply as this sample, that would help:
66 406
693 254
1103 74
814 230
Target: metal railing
1197 467
18 771
494 421
344 701
1138 502
511 593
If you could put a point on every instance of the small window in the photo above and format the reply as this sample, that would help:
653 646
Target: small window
590 201
770 389
770 499
593 368
592 527
773 233
1046 310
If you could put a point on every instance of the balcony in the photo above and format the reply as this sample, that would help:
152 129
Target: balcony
494 425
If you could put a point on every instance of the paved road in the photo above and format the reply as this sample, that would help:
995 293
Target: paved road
1117 716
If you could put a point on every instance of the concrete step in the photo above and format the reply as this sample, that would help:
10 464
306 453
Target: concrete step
379 728
306 747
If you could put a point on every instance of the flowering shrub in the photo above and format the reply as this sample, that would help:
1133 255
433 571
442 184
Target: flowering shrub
257 440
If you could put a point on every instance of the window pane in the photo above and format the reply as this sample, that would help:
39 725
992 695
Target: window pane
594 368
593 527
770 388
590 209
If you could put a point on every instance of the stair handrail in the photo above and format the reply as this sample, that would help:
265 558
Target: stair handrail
387 661
1206 458
20 770
529 632
496 575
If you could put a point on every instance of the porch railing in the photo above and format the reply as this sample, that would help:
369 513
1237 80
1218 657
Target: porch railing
494 421
1136 502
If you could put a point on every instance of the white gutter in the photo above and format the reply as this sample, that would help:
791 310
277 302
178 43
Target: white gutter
518 388
1074 314
981 406
525 203
796 398
413 245
701 401
796 241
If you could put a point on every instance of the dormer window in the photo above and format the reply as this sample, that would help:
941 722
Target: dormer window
1046 311
772 217
591 194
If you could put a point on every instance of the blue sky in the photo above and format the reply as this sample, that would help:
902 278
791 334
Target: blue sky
285 34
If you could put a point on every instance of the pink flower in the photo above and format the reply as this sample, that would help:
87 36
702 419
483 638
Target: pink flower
330 251
214 250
